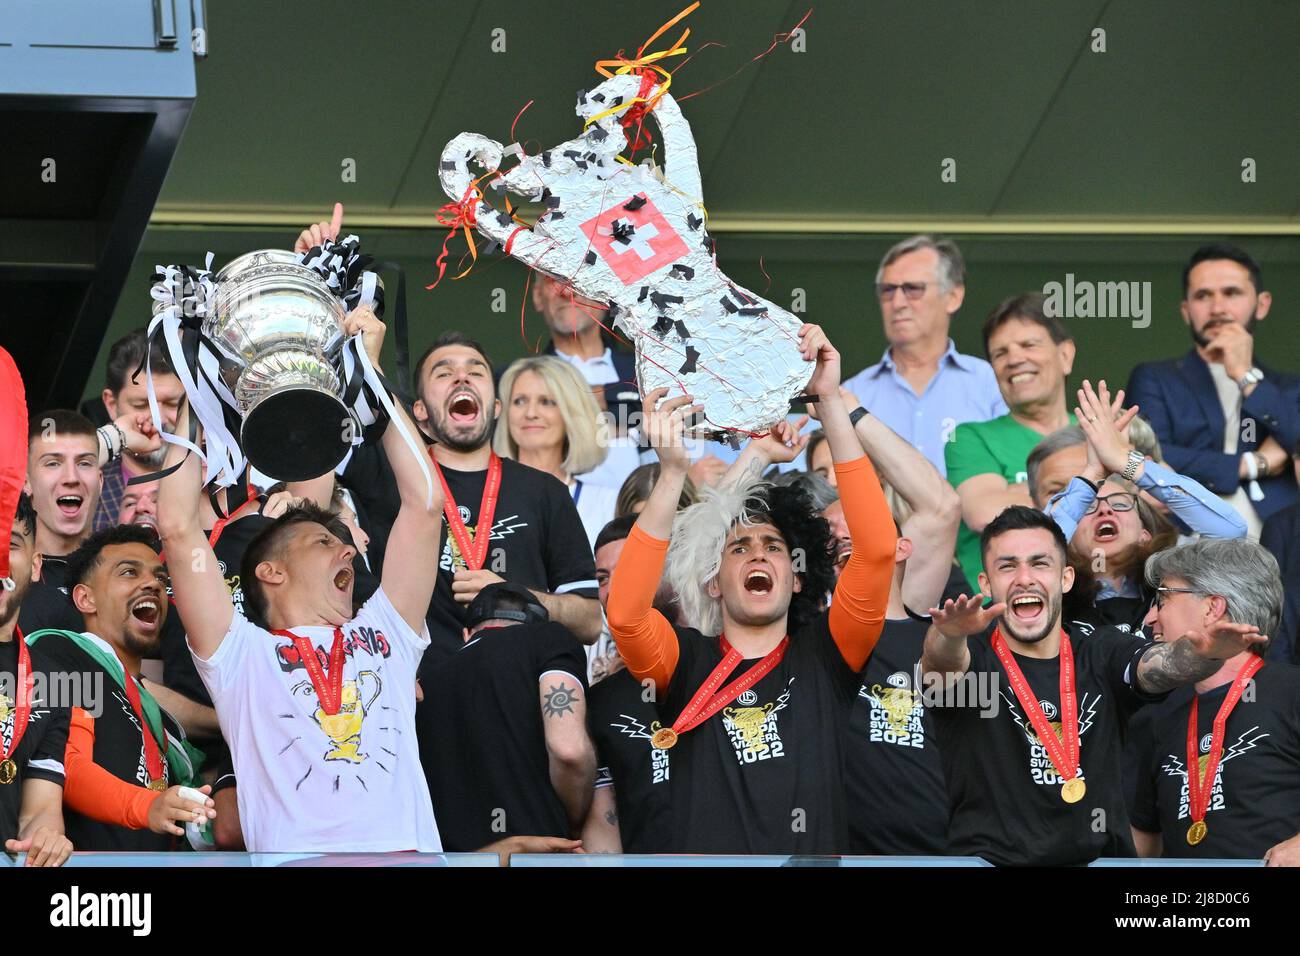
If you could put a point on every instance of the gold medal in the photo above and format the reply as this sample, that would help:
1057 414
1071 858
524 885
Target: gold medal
1073 790
8 771
158 785
1196 832
663 738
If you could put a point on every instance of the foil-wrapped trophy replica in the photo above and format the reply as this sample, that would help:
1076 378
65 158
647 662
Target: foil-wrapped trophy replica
634 237
267 369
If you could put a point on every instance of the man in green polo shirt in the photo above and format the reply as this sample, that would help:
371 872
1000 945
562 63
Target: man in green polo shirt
1031 354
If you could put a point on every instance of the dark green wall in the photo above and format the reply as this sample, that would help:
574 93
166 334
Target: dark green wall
836 273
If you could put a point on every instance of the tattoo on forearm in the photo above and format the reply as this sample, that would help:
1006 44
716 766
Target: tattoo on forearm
559 700
611 817
1171 665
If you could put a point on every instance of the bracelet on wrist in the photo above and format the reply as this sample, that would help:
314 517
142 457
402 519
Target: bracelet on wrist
857 415
114 450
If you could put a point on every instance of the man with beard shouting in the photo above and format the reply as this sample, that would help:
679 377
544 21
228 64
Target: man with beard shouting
1030 725
503 521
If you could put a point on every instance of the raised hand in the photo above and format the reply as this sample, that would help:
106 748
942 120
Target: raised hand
783 443
964 616
138 429
1224 639
372 331
1105 423
318 232
664 427
814 346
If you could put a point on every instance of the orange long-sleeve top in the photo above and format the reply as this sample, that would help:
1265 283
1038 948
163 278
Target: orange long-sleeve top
648 643
93 791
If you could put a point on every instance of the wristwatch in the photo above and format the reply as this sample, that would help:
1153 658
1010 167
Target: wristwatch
857 415
1253 377
1135 459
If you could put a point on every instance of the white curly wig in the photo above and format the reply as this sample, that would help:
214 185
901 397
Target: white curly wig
699 534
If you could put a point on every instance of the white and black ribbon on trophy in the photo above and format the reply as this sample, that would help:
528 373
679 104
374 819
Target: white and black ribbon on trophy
185 297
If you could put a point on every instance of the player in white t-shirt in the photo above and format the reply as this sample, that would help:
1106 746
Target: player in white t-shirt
319 708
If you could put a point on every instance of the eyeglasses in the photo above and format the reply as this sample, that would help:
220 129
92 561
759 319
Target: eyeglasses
1161 592
913 290
1118 501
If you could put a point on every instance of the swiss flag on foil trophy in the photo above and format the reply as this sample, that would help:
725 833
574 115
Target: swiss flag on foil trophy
634 242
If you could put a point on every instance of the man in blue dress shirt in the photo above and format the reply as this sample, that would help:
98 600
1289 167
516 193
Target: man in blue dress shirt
922 387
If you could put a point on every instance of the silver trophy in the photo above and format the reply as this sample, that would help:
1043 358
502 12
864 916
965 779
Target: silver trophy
278 328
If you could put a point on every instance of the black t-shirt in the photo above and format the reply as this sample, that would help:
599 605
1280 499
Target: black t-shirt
537 538
897 804
619 718
1004 793
39 755
482 738
119 748
1255 801
1122 613
46 603
766 773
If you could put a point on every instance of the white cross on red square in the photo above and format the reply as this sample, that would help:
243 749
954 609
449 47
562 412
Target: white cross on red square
651 242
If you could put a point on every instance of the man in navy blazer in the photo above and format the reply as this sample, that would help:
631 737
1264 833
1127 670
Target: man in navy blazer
1189 401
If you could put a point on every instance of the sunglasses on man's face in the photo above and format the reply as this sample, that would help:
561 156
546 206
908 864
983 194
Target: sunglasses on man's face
913 290
1118 501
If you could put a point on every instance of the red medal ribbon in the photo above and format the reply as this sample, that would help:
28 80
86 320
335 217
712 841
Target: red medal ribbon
1063 751
1199 787
702 706
23 706
221 523
329 686
153 761
472 552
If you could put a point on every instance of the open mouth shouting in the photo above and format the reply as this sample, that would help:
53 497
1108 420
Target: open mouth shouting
1107 530
463 407
1027 607
147 610
343 580
69 505
758 581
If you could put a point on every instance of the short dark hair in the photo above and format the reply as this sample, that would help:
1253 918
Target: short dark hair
616 530
64 421
83 561
1029 307
25 516
450 337
268 544
126 355
1222 250
1022 518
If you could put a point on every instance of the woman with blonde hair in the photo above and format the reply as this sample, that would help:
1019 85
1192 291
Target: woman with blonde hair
552 423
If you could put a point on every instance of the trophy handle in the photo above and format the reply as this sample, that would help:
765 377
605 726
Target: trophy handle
361 683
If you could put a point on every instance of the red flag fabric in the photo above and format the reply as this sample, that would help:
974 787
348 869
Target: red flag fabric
13 449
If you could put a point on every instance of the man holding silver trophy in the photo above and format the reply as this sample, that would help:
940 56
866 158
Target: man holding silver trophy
293 692
292 698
